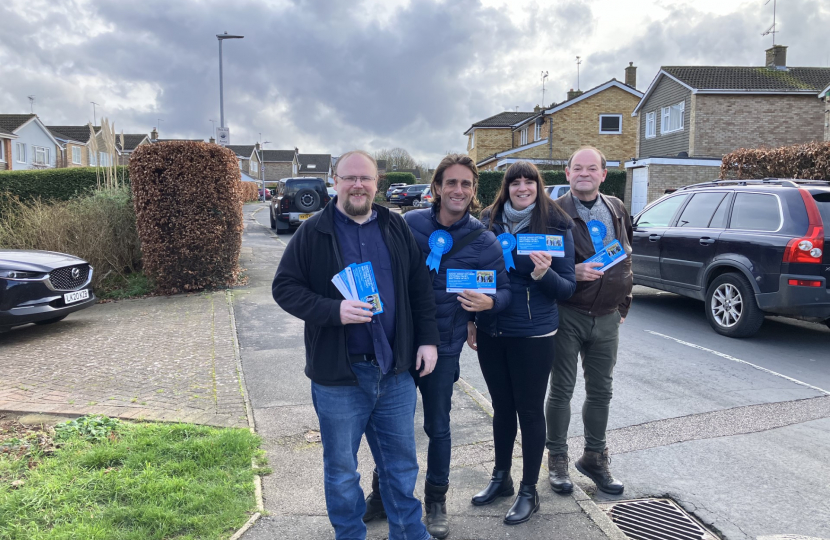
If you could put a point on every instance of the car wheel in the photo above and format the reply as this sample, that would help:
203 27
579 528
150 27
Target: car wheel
731 307
52 320
273 221
307 200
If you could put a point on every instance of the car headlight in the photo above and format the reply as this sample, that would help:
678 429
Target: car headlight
19 274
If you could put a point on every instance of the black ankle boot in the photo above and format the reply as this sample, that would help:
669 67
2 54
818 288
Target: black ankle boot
560 480
435 502
525 505
374 504
594 465
501 485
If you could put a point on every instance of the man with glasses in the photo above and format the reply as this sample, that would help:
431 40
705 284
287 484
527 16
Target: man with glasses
358 363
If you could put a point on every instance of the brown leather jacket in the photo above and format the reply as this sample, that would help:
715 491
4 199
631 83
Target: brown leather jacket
612 291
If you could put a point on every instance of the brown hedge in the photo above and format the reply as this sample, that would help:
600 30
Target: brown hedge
188 205
250 191
810 161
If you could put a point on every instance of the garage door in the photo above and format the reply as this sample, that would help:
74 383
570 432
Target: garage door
639 189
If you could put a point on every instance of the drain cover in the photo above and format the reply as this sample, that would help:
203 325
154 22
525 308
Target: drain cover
656 519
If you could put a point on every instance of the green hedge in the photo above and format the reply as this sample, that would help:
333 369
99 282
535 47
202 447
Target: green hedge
53 184
489 183
393 178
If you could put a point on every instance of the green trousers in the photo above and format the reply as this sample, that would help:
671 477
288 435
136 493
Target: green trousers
595 340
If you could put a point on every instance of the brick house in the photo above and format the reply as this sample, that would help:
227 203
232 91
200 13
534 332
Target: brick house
6 138
599 117
34 146
131 142
244 154
74 145
691 116
318 165
279 164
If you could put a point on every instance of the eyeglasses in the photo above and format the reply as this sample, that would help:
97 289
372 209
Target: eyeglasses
354 179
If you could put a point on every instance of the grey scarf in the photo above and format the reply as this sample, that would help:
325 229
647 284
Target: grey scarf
517 220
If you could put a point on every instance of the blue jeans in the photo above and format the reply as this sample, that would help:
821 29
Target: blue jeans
436 393
382 407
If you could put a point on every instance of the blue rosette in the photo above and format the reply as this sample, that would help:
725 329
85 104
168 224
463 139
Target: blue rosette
597 230
508 244
440 242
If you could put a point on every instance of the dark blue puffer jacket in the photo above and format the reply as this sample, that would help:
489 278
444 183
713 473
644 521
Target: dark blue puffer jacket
532 310
483 253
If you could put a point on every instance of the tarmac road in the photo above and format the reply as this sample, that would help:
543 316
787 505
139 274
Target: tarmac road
736 431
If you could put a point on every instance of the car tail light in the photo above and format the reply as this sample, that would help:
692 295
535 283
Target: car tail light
804 283
809 248
284 204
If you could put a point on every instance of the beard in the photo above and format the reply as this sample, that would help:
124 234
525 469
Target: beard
357 211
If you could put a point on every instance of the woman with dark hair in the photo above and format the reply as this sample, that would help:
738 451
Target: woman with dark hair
516 346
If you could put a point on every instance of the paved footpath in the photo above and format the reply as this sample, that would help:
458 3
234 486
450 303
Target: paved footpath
160 358
271 343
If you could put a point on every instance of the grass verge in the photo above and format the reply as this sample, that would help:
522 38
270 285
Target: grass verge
105 479
118 287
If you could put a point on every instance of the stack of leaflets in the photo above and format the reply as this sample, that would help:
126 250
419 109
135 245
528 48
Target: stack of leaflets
357 282
608 256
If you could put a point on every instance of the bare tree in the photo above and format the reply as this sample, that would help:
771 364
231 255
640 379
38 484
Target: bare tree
396 159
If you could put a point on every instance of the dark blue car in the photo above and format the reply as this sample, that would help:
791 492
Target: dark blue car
42 287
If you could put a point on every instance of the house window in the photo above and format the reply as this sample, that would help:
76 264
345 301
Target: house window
92 162
472 139
254 167
21 152
651 126
610 124
311 166
537 132
523 137
672 118
103 159
2 150
76 155
41 156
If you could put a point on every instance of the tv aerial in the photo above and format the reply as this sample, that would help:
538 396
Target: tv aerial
772 30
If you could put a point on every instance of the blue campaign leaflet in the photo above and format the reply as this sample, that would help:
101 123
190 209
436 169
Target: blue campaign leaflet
610 255
366 288
483 281
552 243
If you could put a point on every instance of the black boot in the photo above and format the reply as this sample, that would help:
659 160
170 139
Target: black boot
525 505
594 465
435 501
374 504
501 485
560 480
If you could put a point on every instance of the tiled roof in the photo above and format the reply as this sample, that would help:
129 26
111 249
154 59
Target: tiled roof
131 141
321 162
10 122
75 133
5 132
277 155
760 79
242 150
504 119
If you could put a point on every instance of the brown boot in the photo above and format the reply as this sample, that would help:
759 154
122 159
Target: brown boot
594 465
560 480
374 504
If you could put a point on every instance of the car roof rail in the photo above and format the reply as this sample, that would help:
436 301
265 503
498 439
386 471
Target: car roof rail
790 182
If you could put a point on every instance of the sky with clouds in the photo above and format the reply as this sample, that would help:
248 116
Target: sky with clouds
327 76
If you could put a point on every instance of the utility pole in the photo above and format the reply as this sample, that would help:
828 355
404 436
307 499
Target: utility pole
222 37
544 76
578 62
262 166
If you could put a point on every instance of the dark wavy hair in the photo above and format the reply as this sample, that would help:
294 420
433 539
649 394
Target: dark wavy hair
545 211
438 179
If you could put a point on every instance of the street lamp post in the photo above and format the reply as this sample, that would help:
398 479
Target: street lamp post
222 37
262 168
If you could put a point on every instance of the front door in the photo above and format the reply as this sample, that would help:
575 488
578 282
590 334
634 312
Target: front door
639 189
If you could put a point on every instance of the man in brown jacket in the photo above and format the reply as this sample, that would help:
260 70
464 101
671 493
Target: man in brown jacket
589 324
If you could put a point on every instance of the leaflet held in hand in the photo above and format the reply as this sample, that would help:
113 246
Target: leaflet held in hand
552 243
609 255
357 282
483 281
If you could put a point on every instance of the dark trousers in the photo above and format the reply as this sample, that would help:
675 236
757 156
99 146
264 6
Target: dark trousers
595 339
436 394
516 371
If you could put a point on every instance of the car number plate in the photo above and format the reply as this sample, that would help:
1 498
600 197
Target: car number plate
76 296
303 217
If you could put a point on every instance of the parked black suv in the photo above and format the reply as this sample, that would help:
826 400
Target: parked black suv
295 200
748 248
407 195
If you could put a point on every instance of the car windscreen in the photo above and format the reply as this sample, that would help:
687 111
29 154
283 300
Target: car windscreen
295 186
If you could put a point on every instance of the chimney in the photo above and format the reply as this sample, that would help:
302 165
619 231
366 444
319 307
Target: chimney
777 57
537 109
212 140
257 147
154 135
574 93
631 75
